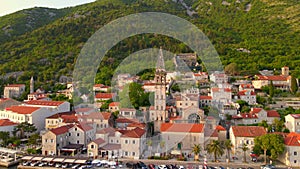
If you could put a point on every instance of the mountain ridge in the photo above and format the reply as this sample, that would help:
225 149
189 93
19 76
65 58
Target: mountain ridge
50 50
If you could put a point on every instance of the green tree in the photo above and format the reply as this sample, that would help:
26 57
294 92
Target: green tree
271 89
216 148
294 85
124 97
263 123
269 144
232 69
137 95
228 146
33 139
24 128
4 136
245 149
196 150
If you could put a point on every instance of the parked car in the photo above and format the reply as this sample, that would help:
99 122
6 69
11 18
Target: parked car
269 166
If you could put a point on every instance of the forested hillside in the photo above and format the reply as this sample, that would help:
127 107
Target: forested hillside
255 34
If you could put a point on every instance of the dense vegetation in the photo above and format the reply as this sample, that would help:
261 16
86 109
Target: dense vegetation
269 31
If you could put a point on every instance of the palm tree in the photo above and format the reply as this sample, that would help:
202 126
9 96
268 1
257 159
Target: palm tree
228 146
245 148
216 148
196 150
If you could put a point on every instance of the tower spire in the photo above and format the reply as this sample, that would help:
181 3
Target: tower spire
160 64
31 85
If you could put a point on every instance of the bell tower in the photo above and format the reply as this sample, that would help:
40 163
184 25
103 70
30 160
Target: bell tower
160 114
31 85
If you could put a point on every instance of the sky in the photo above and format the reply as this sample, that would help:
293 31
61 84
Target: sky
10 6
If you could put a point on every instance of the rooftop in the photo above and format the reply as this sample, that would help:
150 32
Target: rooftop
182 127
22 109
248 131
44 102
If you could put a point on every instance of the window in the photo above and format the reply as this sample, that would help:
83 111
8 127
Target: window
295 153
133 153
52 140
194 138
77 134
75 129
133 141
111 141
46 140
92 146
295 161
126 141
69 134
77 141
126 153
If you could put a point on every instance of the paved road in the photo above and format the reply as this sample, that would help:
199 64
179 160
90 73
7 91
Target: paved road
194 164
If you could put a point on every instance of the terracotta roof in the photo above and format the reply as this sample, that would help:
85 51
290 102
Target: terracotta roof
7 122
98 141
55 116
140 125
296 116
84 126
69 118
97 115
15 85
125 120
272 113
22 109
114 104
292 139
109 130
255 110
104 95
181 127
215 133
62 129
86 109
243 93
99 85
45 102
273 77
135 133
216 89
247 86
220 128
248 131
205 98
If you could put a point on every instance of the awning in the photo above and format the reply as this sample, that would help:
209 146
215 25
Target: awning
80 161
58 160
27 158
37 158
69 160
48 159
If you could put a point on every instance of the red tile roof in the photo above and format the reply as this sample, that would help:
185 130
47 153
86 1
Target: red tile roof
247 86
273 77
15 85
99 85
104 95
62 129
84 126
114 104
125 120
22 109
243 93
7 122
135 133
255 110
205 98
45 102
99 141
248 131
220 128
296 116
55 116
216 89
292 139
272 113
97 115
140 125
182 127
86 109
109 130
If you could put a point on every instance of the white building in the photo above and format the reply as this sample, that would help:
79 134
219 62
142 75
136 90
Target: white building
14 90
218 77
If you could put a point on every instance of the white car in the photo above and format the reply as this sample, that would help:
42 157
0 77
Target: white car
181 167
162 167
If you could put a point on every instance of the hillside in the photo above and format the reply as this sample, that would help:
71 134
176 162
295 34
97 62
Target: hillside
27 20
255 34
